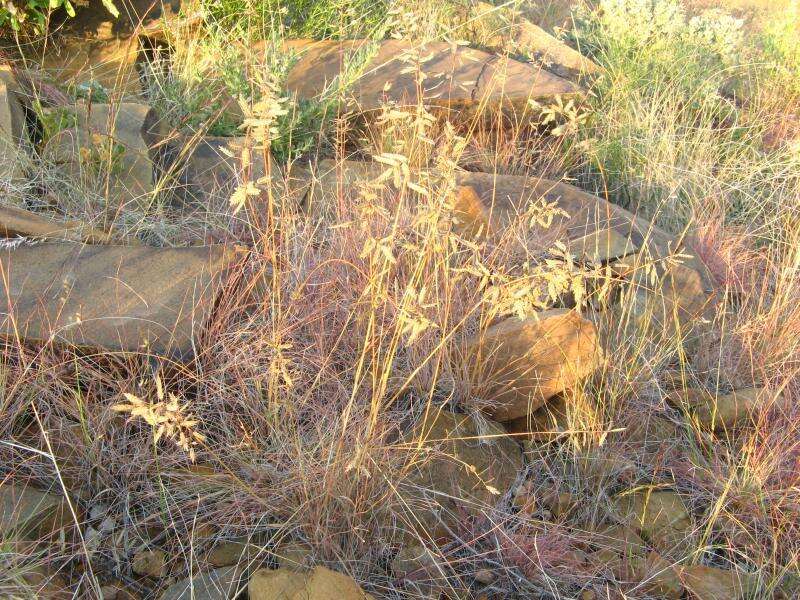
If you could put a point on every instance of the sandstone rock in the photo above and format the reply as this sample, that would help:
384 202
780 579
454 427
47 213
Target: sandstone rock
520 364
318 584
46 584
456 76
544 424
119 298
109 150
29 512
618 549
660 516
233 552
18 222
710 583
461 468
601 246
506 29
208 169
722 412
13 136
293 555
220 584
95 47
150 563
665 295
658 577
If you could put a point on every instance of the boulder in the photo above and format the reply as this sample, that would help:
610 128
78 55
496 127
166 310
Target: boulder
13 135
665 296
318 584
94 47
504 28
619 549
18 222
456 77
116 298
520 364
658 577
150 563
233 552
660 516
31 513
458 466
220 584
720 413
207 169
710 583
110 150
543 424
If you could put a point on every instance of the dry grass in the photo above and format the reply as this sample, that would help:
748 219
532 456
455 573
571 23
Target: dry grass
347 325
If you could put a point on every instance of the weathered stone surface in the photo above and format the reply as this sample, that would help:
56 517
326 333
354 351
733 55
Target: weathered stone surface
46 585
109 150
233 552
208 169
663 294
29 512
710 583
659 515
13 138
658 577
95 47
465 469
293 555
18 222
520 364
121 298
150 563
456 77
546 423
318 584
721 412
220 584
505 29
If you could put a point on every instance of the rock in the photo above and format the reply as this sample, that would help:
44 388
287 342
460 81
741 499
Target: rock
456 77
665 295
506 29
722 412
233 552
318 584
485 576
544 424
601 246
220 584
118 298
658 577
13 135
46 584
659 515
520 364
150 563
710 583
96 48
18 222
462 468
31 513
208 169
618 549
109 151
293 555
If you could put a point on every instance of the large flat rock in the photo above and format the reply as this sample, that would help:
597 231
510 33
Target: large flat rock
13 138
387 72
118 298
18 222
